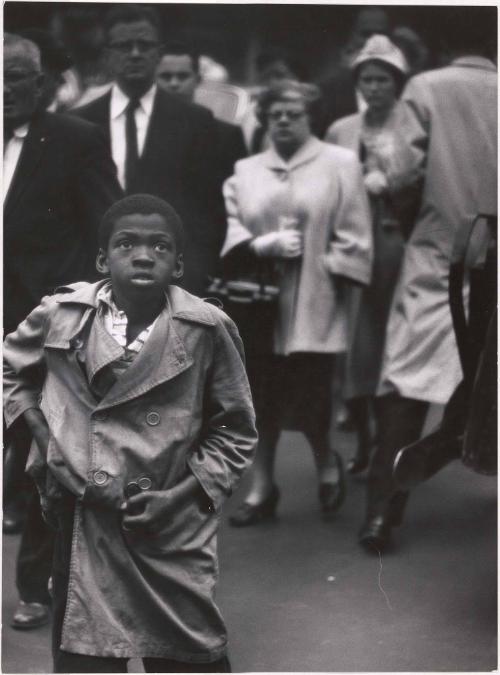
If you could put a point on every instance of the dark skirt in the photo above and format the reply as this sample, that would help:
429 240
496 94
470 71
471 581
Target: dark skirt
293 392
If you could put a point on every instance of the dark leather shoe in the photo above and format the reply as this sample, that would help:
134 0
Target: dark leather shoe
332 495
29 615
252 514
375 535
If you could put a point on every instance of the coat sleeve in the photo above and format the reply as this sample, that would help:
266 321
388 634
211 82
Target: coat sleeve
228 443
350 251
24 366
236 233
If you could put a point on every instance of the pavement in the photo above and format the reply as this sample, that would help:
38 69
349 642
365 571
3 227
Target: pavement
298 594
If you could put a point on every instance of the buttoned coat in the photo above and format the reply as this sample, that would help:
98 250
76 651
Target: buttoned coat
321 189
182 405
456 113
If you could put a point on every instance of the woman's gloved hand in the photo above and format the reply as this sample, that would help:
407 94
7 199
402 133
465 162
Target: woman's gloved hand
375 182
284 244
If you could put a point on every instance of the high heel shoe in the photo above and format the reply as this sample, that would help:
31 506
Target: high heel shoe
252 514
332 495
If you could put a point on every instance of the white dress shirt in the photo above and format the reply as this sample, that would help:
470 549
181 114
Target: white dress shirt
119 103
11 153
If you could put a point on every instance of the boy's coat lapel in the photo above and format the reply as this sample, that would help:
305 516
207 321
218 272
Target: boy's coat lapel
162 358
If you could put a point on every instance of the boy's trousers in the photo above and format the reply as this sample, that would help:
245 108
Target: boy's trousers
65 662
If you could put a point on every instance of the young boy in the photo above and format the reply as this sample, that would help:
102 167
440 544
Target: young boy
136 395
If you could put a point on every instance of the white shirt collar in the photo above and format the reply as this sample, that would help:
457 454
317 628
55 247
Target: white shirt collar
119 101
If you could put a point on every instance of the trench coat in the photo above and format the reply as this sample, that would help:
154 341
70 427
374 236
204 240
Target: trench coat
183 405
456 111
321 189
391 213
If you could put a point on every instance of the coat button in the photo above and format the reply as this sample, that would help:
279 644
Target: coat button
100 416
153 418
100 477
144 483
78 343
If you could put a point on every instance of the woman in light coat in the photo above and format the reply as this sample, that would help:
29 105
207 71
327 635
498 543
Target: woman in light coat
301 205
392 178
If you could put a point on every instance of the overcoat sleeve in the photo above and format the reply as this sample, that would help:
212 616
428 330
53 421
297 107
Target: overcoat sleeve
350 251
236 233
230 437
24 367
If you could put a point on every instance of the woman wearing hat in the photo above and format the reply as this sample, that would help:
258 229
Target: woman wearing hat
299 207
392 179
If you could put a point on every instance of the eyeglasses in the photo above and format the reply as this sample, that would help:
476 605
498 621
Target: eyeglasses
292 115
127 46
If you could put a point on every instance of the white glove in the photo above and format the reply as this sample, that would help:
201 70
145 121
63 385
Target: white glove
375 182
284 244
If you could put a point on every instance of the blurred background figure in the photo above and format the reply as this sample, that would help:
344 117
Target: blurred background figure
273 66
415 50
455 114
81 30
178 73
391 179
340 97
301 207
55 63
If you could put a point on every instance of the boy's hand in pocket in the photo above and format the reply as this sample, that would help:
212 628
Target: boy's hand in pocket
152 509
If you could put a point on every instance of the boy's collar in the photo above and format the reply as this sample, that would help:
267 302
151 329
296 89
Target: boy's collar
180 303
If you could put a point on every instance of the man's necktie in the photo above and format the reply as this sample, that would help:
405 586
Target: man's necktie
132 153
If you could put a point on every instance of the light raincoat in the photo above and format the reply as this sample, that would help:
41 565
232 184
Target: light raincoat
183 405
456 113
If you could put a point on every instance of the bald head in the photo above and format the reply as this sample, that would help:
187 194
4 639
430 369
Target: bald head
23 49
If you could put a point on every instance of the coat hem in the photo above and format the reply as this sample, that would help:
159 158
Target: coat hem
131 652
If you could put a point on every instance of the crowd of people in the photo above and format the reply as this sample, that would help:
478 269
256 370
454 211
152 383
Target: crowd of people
323 224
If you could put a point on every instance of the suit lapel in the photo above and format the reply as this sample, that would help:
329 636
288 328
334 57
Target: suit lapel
164 130
34 146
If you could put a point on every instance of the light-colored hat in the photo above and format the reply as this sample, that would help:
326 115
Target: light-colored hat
380 48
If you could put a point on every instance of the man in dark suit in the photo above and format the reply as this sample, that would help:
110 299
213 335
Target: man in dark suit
58 181
178 73
160 144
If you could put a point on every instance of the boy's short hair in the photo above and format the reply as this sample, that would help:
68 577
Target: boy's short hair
143 204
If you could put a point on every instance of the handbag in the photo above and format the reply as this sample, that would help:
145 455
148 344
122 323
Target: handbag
251 301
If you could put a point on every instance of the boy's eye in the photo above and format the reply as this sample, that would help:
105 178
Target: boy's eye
161 247
125 244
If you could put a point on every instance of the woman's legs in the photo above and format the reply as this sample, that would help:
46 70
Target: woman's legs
330 470
262 471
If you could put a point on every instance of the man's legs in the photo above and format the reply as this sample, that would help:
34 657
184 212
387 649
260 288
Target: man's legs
400 422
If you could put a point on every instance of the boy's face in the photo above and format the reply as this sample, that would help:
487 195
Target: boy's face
141 257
